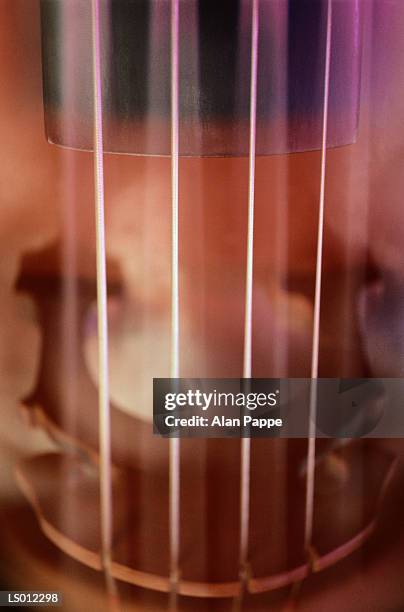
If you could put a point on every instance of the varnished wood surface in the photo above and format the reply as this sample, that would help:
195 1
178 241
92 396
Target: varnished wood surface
63 491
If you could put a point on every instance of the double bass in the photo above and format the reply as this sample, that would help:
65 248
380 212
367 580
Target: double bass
197 189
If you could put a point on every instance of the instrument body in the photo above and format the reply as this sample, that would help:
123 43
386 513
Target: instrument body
55 270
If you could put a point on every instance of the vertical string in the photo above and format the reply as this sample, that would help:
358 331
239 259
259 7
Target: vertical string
247 358
311 446
103 393
174 467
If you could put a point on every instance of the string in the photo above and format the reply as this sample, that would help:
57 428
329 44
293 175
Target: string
103 393
174 463
247 358
311 446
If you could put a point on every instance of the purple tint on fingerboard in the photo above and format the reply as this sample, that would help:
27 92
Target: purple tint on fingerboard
215 64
